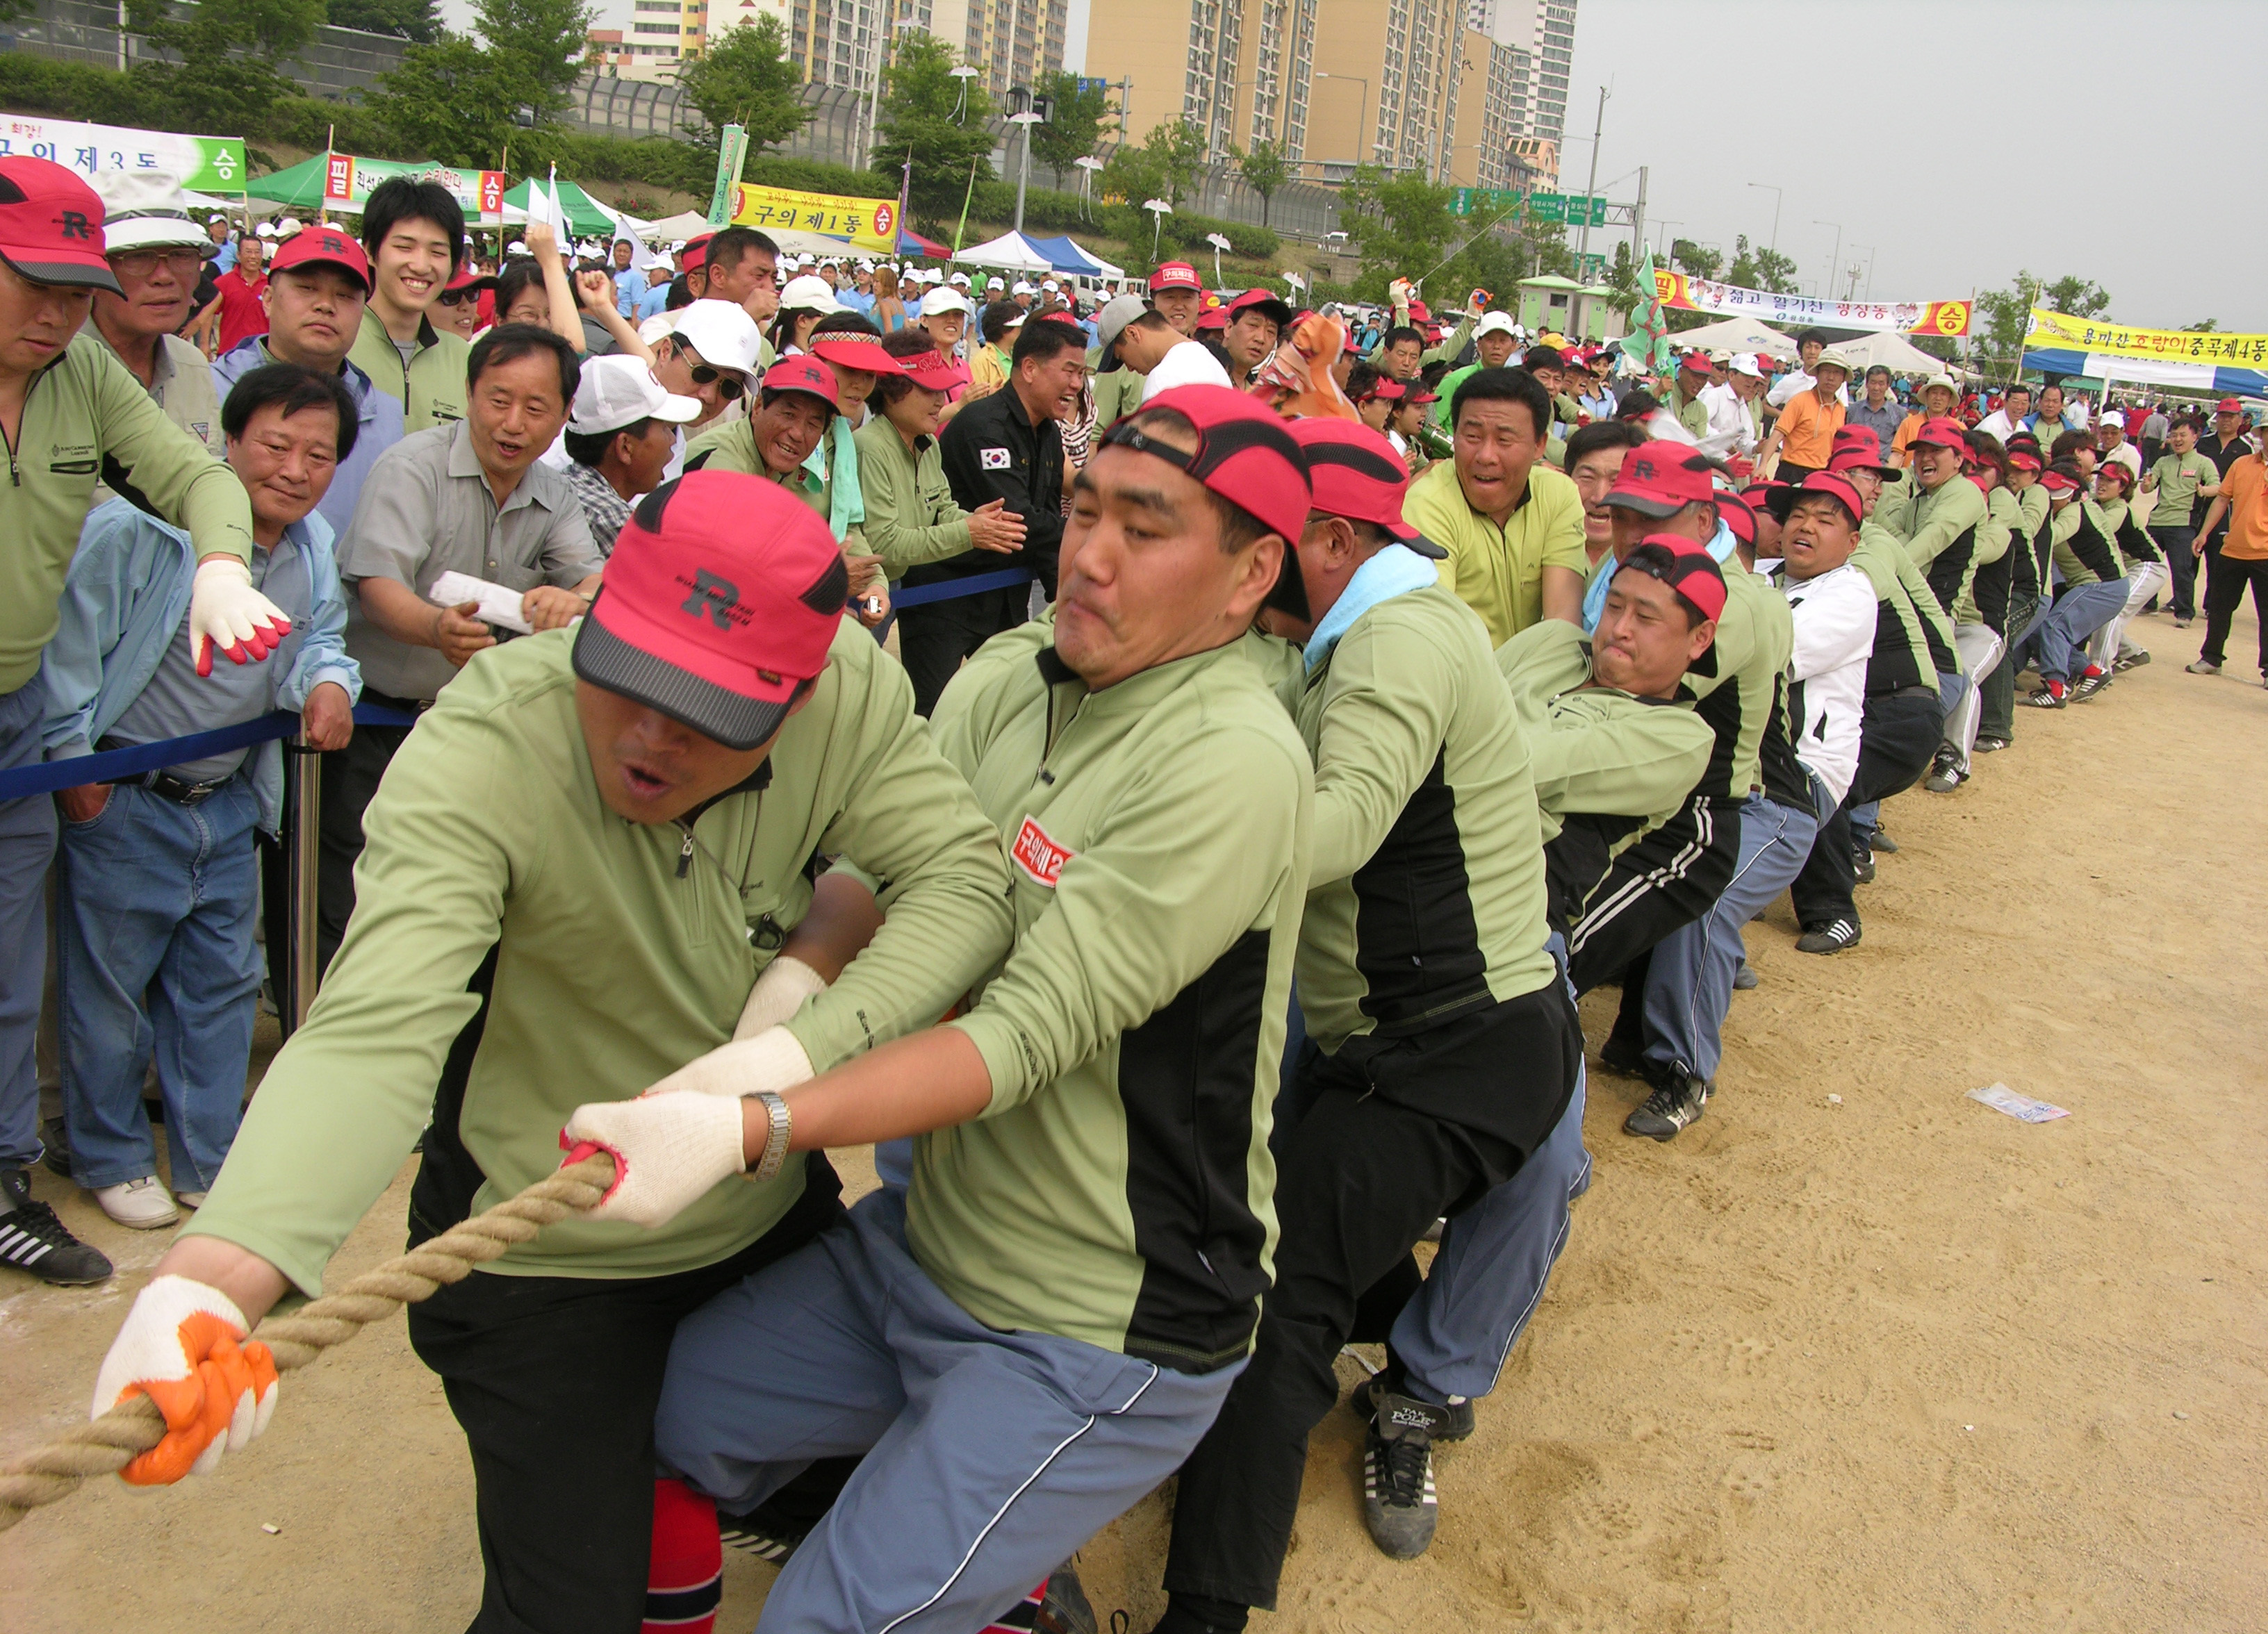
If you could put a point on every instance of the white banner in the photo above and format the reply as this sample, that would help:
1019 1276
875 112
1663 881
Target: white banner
201 164
1679 292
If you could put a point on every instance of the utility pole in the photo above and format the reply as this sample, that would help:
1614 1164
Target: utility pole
1834 259
1637 219
1777 193
1590 188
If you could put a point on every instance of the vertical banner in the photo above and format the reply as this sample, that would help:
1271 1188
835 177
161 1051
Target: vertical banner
732 154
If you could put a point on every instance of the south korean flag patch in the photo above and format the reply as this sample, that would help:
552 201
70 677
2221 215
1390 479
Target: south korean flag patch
992 459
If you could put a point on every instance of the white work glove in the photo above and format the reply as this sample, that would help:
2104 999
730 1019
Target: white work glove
771 1060
226 612
779 992
183 1346
669 1149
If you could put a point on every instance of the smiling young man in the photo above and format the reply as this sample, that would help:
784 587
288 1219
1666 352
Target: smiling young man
158 887
469 498
317 286
578 866
1447 1046
414 233
1035 1334
72 418
1512 526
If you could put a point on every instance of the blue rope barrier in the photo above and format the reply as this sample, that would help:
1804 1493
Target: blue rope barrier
922 595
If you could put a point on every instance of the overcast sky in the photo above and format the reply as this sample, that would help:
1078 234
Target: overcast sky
1956 141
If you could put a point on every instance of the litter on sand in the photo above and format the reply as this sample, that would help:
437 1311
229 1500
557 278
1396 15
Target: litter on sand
2001 1098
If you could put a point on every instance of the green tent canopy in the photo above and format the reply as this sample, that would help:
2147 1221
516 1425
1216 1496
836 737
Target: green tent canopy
584 213
299 187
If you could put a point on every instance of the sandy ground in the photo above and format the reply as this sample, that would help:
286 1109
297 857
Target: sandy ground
1895 1363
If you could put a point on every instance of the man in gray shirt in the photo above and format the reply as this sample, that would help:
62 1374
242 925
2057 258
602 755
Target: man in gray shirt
468 497
156 889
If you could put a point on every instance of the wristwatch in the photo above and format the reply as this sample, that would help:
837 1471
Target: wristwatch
783 1123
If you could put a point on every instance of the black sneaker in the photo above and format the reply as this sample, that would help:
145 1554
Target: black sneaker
1624 1054
2131 660
2047 697
1364 1402
1744 979
1065 1608
32 1240
1883 843
1945 774
1398 1504
761 1535
2087 687
1862 863
1828 938
1671 1107
1989 746
56 1138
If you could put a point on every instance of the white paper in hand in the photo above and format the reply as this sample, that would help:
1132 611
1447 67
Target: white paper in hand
498 606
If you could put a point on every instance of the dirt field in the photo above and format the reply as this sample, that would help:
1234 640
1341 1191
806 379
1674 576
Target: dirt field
1895 1362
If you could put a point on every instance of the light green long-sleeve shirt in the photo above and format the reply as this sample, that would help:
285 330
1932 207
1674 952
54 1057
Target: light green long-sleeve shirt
1118 1190
612 952
86 420
429 385
910 516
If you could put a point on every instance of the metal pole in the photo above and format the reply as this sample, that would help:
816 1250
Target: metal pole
307 851
1778 194
1583 244
1637 219
1024 174
1834 261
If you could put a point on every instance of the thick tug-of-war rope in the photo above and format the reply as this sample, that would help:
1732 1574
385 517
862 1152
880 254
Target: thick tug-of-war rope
105 1446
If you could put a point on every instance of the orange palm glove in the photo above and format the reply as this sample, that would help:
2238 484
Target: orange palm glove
183 1346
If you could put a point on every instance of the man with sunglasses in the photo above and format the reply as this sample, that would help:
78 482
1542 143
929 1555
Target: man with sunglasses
710 355
156 252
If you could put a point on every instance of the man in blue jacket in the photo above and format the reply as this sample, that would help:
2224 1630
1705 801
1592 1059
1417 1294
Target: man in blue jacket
158 885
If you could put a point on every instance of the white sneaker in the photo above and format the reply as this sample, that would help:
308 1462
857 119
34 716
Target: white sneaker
190 1199
141 1203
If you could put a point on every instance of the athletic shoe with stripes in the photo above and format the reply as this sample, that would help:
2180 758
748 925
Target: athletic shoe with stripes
1398 1501
1460 1409
1671 1107
1832 938
32 1240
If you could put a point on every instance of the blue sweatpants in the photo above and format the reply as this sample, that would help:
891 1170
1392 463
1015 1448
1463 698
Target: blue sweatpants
990 1456
2079 612
1454 1335
154 912
27 844
1688 985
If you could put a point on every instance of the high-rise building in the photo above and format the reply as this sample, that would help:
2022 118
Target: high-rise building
1184 60
1009 42
1540 34
661 33
1488 115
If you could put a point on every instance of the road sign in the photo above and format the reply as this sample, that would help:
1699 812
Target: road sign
1571 209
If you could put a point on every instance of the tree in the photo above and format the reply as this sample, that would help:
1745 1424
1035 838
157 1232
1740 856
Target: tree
1133 175
448 101
1082 116
538 48
1265 169
1400 224
1179 147
747 81
419 21
1758 268
925 117
2007 314
2080 296
2204 326
228 50
1696 261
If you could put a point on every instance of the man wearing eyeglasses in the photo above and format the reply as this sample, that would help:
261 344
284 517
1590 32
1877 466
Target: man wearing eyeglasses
711 355
156 252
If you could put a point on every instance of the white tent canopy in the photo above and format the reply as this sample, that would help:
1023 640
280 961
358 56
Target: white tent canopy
1735 335
1009 251
1893 351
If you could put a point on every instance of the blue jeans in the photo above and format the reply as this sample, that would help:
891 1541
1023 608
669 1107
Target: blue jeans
27 844
157 899
1688 985
990 1456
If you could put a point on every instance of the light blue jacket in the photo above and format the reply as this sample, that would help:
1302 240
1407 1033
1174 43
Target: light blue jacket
127 594
378 425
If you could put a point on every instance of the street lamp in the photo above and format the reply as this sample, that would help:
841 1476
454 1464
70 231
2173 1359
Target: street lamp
1024 171
1835 261
1775 193
1362 100
1159 210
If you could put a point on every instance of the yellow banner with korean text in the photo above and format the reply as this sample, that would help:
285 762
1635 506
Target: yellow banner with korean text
2106 339
869 224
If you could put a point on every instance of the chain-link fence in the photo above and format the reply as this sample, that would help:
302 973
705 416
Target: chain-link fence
338 62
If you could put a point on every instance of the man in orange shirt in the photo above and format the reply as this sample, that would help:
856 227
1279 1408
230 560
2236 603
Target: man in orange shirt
1804 435
2244 499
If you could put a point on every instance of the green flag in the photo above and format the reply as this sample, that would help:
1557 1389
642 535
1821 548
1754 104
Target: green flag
1648 341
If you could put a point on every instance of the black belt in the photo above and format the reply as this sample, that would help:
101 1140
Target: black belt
164 784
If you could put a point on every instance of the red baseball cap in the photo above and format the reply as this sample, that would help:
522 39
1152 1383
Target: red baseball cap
1942 431
2117 468
1686 566
1698 361
1356 473
853 350
328 247
1246 455
1827 482
1385 387
1656 480
1733 511
2227 405
1262 302
1174 275
465 279
933 372
51 225
721 598
804 374
1857 448
2024 459
695 256
2059 481
1214 318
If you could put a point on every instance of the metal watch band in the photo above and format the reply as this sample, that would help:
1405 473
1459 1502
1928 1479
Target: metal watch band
783 1123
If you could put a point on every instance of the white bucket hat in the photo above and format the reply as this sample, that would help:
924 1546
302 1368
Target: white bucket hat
145 210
